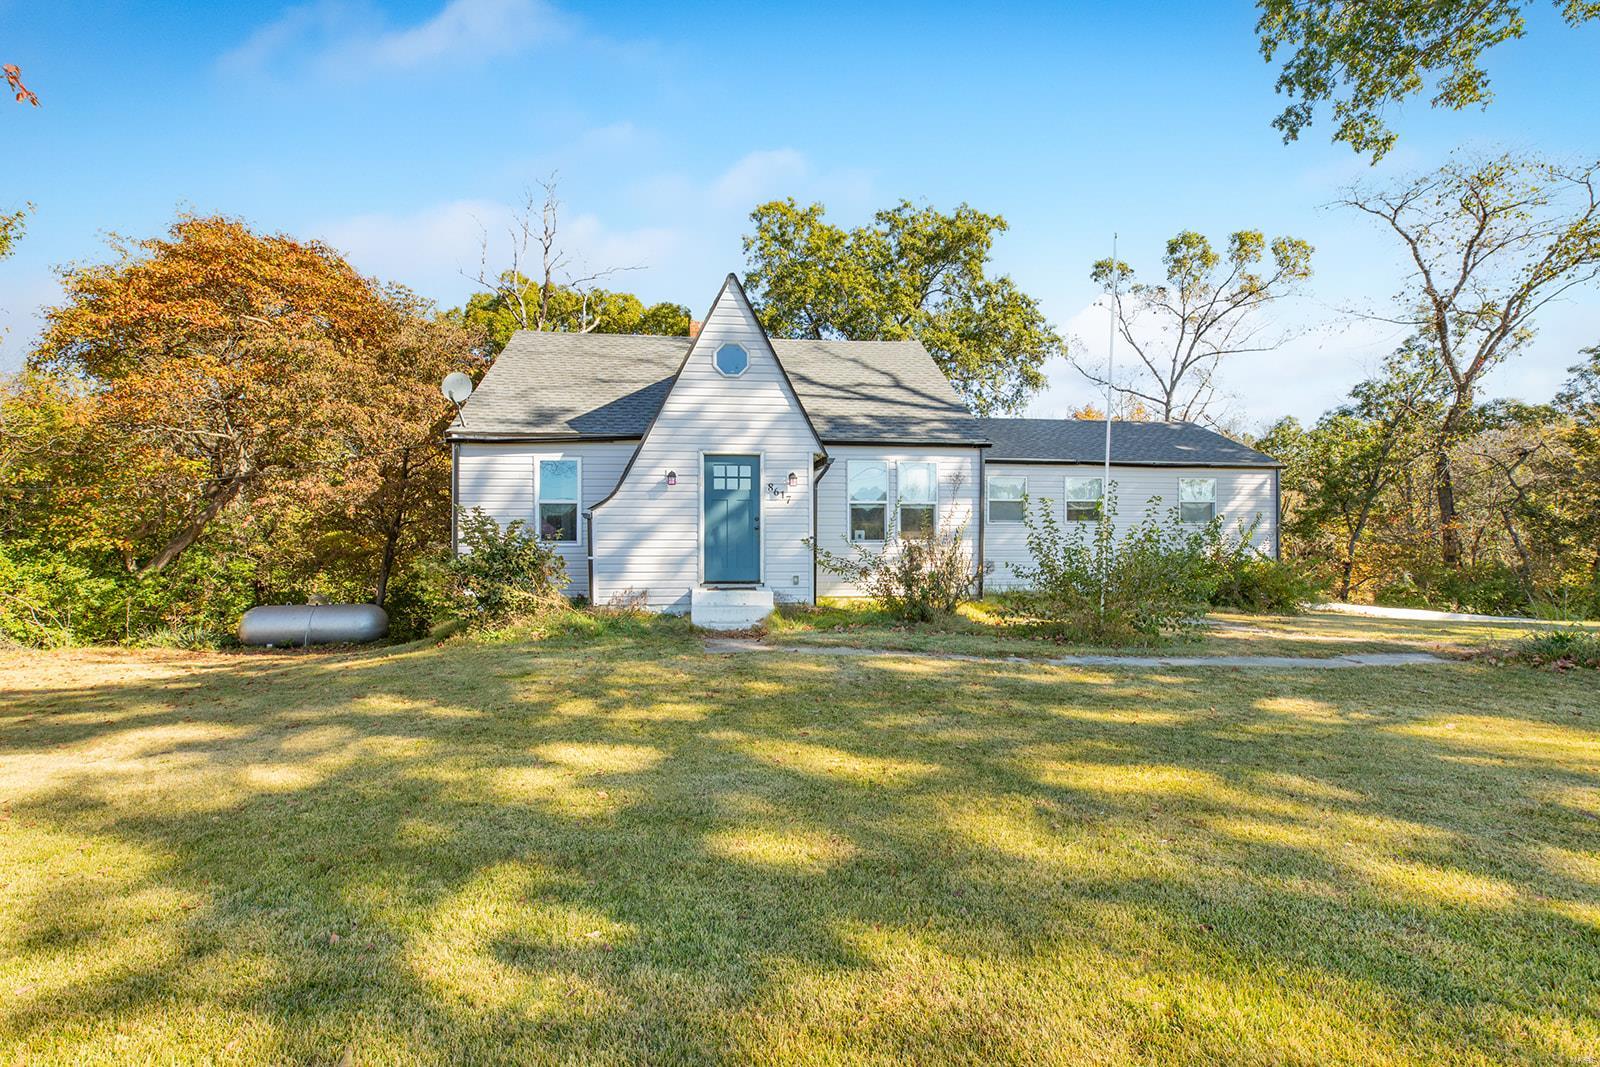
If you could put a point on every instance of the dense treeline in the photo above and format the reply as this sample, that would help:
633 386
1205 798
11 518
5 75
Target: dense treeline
1361 507
219 418
215 419
1417 491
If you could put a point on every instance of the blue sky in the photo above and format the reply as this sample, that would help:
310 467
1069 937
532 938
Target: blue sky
394 130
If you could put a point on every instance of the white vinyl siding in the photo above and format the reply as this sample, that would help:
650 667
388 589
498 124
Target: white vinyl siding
646 539
959 496
1242 495
501 479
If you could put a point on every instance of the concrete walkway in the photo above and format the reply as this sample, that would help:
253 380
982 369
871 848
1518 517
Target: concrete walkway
735 645
1373 611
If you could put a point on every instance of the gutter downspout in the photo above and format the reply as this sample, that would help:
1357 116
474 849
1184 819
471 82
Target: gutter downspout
1277 515
588 549
982 518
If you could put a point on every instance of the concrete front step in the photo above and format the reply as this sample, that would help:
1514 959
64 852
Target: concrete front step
729 609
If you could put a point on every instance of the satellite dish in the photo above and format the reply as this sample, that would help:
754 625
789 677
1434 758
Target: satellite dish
456 387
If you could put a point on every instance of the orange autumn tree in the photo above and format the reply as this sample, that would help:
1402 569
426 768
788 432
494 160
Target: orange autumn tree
387 498
1129 409
250 376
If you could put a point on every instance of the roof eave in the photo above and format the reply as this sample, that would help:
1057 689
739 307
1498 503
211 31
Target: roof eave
908 442
1098 460
530 437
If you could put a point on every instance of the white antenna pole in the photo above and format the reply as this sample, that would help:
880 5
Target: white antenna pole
1111 349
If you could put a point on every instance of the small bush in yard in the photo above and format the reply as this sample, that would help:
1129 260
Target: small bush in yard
1564 648
915 578
1246 579
504 574
1156 579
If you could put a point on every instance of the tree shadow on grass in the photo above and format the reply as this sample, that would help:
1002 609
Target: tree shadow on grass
491 852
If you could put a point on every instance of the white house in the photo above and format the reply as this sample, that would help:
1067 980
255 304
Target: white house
697 472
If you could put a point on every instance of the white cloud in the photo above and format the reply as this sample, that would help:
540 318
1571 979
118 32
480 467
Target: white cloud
689 241
758 175
437 250
340 38
1308 373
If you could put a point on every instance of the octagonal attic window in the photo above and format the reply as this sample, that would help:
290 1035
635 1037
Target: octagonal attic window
732 360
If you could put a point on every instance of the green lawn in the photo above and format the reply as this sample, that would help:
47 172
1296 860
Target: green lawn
614 848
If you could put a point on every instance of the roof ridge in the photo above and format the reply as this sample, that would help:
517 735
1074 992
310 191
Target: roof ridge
598 335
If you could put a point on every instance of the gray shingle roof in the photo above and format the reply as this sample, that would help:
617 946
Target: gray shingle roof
1134 443
573 385
876 391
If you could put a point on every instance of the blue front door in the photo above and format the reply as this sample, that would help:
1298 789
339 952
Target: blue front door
733 518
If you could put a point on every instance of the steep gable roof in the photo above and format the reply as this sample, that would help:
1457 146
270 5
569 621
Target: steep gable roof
1160 444
573 386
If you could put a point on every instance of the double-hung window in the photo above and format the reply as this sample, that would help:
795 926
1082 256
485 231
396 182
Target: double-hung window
556 486
1006 493
1197 499
918 485
1083 499
869 499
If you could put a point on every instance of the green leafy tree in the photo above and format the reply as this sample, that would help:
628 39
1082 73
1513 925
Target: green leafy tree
496 315
1365 56
912 273
1337 473
12 227
1207 309
1491 242
1579 401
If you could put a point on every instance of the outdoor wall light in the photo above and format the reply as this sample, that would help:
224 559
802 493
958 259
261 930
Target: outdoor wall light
794 479
672 477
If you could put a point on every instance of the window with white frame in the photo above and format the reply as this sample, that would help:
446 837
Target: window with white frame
731 360
1197 499
918 487
869 499
1083 498
556 487
1006 493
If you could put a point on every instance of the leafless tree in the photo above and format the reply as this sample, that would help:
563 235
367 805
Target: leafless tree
1208 308
534 233
1491 243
